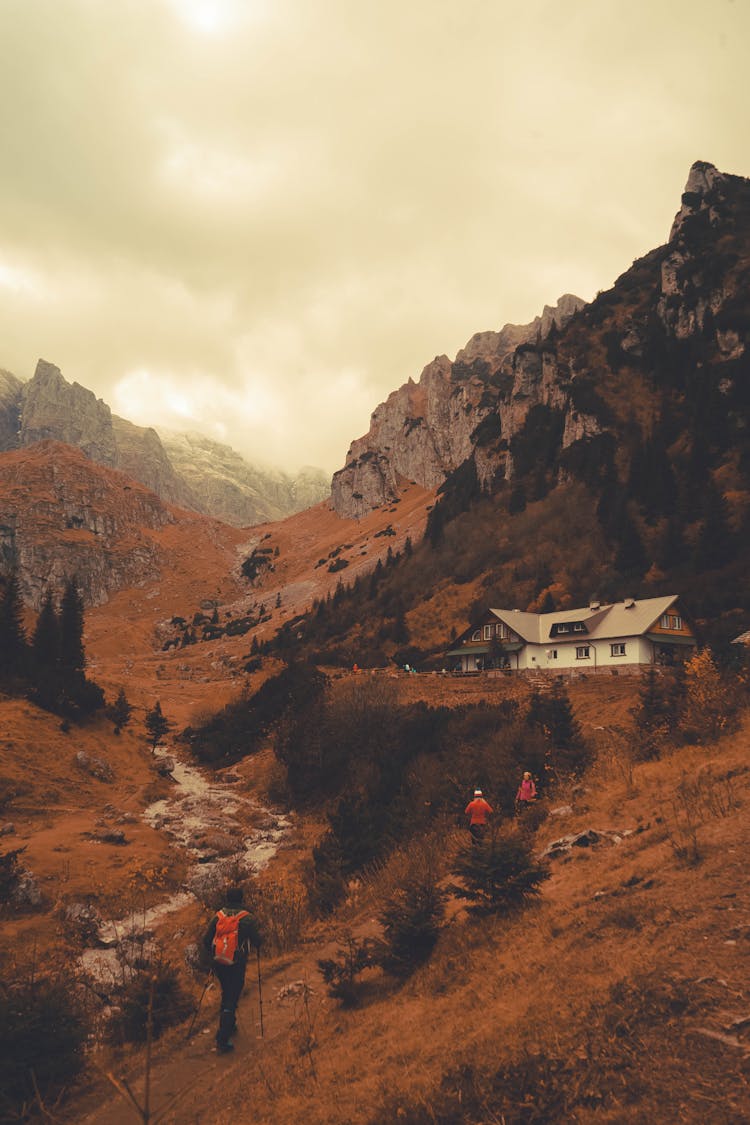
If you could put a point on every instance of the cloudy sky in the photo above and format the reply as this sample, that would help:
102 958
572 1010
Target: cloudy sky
256 218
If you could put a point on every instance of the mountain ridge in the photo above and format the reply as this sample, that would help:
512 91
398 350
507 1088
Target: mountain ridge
226 487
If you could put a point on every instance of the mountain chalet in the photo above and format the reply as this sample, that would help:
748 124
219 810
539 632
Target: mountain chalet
652 631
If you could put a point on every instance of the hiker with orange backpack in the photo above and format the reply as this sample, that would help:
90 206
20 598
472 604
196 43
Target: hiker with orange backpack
227 939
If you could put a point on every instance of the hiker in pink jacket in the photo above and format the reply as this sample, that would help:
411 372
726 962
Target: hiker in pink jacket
526 792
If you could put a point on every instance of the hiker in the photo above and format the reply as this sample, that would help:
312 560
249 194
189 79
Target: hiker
231 931
526 792
478 810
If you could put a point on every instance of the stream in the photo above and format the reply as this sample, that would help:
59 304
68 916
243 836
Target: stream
209 818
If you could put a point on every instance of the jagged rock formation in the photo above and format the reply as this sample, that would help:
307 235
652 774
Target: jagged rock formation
141 455
230 488
425 430
533 402
196 473
51 408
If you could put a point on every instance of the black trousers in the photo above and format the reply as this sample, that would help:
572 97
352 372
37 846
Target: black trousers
232 981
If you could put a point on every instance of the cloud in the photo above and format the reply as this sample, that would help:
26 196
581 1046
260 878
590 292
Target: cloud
293 206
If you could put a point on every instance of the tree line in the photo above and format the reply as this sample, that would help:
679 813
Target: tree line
49 665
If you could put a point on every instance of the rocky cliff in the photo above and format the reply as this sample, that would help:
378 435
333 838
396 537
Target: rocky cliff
193 472
425 430
532 402
61 515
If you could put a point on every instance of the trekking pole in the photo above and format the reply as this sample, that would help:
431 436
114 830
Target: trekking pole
260 994
206 987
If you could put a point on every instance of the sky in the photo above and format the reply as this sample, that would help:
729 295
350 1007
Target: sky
257 218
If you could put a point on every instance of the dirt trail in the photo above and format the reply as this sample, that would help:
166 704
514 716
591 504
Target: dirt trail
181 1065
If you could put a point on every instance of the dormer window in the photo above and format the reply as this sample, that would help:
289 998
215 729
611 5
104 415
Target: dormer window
562 629
578 627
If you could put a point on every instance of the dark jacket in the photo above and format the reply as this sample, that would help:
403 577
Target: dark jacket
249 934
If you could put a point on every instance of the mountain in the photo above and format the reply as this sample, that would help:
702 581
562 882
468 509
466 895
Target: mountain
605 456
64 515
196 473
229 487
663 349
425 430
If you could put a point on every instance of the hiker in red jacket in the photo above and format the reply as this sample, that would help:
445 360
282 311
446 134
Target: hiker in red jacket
478 810
231 932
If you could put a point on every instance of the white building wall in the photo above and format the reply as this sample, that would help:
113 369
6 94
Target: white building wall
539 657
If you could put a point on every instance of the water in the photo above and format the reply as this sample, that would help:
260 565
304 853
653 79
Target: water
208 818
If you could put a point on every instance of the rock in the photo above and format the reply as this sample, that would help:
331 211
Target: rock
293 989
96 767
562 810
586 839
7 829
165 766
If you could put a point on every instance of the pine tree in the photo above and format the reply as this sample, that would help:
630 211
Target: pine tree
12 635
45 655
72 657
498 873
156 725
120 711
411 923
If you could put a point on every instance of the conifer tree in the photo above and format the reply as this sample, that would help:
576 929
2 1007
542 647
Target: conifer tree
45 654
498 873
157 725
120 711
12 635
72 657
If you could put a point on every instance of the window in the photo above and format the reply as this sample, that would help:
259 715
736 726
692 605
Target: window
578 627
671 621
503 631
617 649
487 632
563 628
582 652
476 635
552 654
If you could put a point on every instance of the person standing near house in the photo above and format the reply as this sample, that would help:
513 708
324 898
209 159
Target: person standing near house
526 792
227 939
478 810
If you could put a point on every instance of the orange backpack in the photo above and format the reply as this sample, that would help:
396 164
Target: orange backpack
226 936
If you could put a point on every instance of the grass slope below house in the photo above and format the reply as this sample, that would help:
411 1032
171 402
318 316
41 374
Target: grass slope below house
622 996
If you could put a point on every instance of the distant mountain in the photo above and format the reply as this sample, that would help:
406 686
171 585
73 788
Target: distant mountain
227 486
193 472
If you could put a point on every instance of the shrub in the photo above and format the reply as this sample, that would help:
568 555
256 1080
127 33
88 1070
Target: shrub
43 1030
498 873
411 924
341 973
153 988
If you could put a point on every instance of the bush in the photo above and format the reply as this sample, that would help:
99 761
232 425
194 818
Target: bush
411 924
43 1030
155 986
342 972
498 873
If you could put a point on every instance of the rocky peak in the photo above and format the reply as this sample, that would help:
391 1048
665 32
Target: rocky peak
702 179
53 409
425 430
10 409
